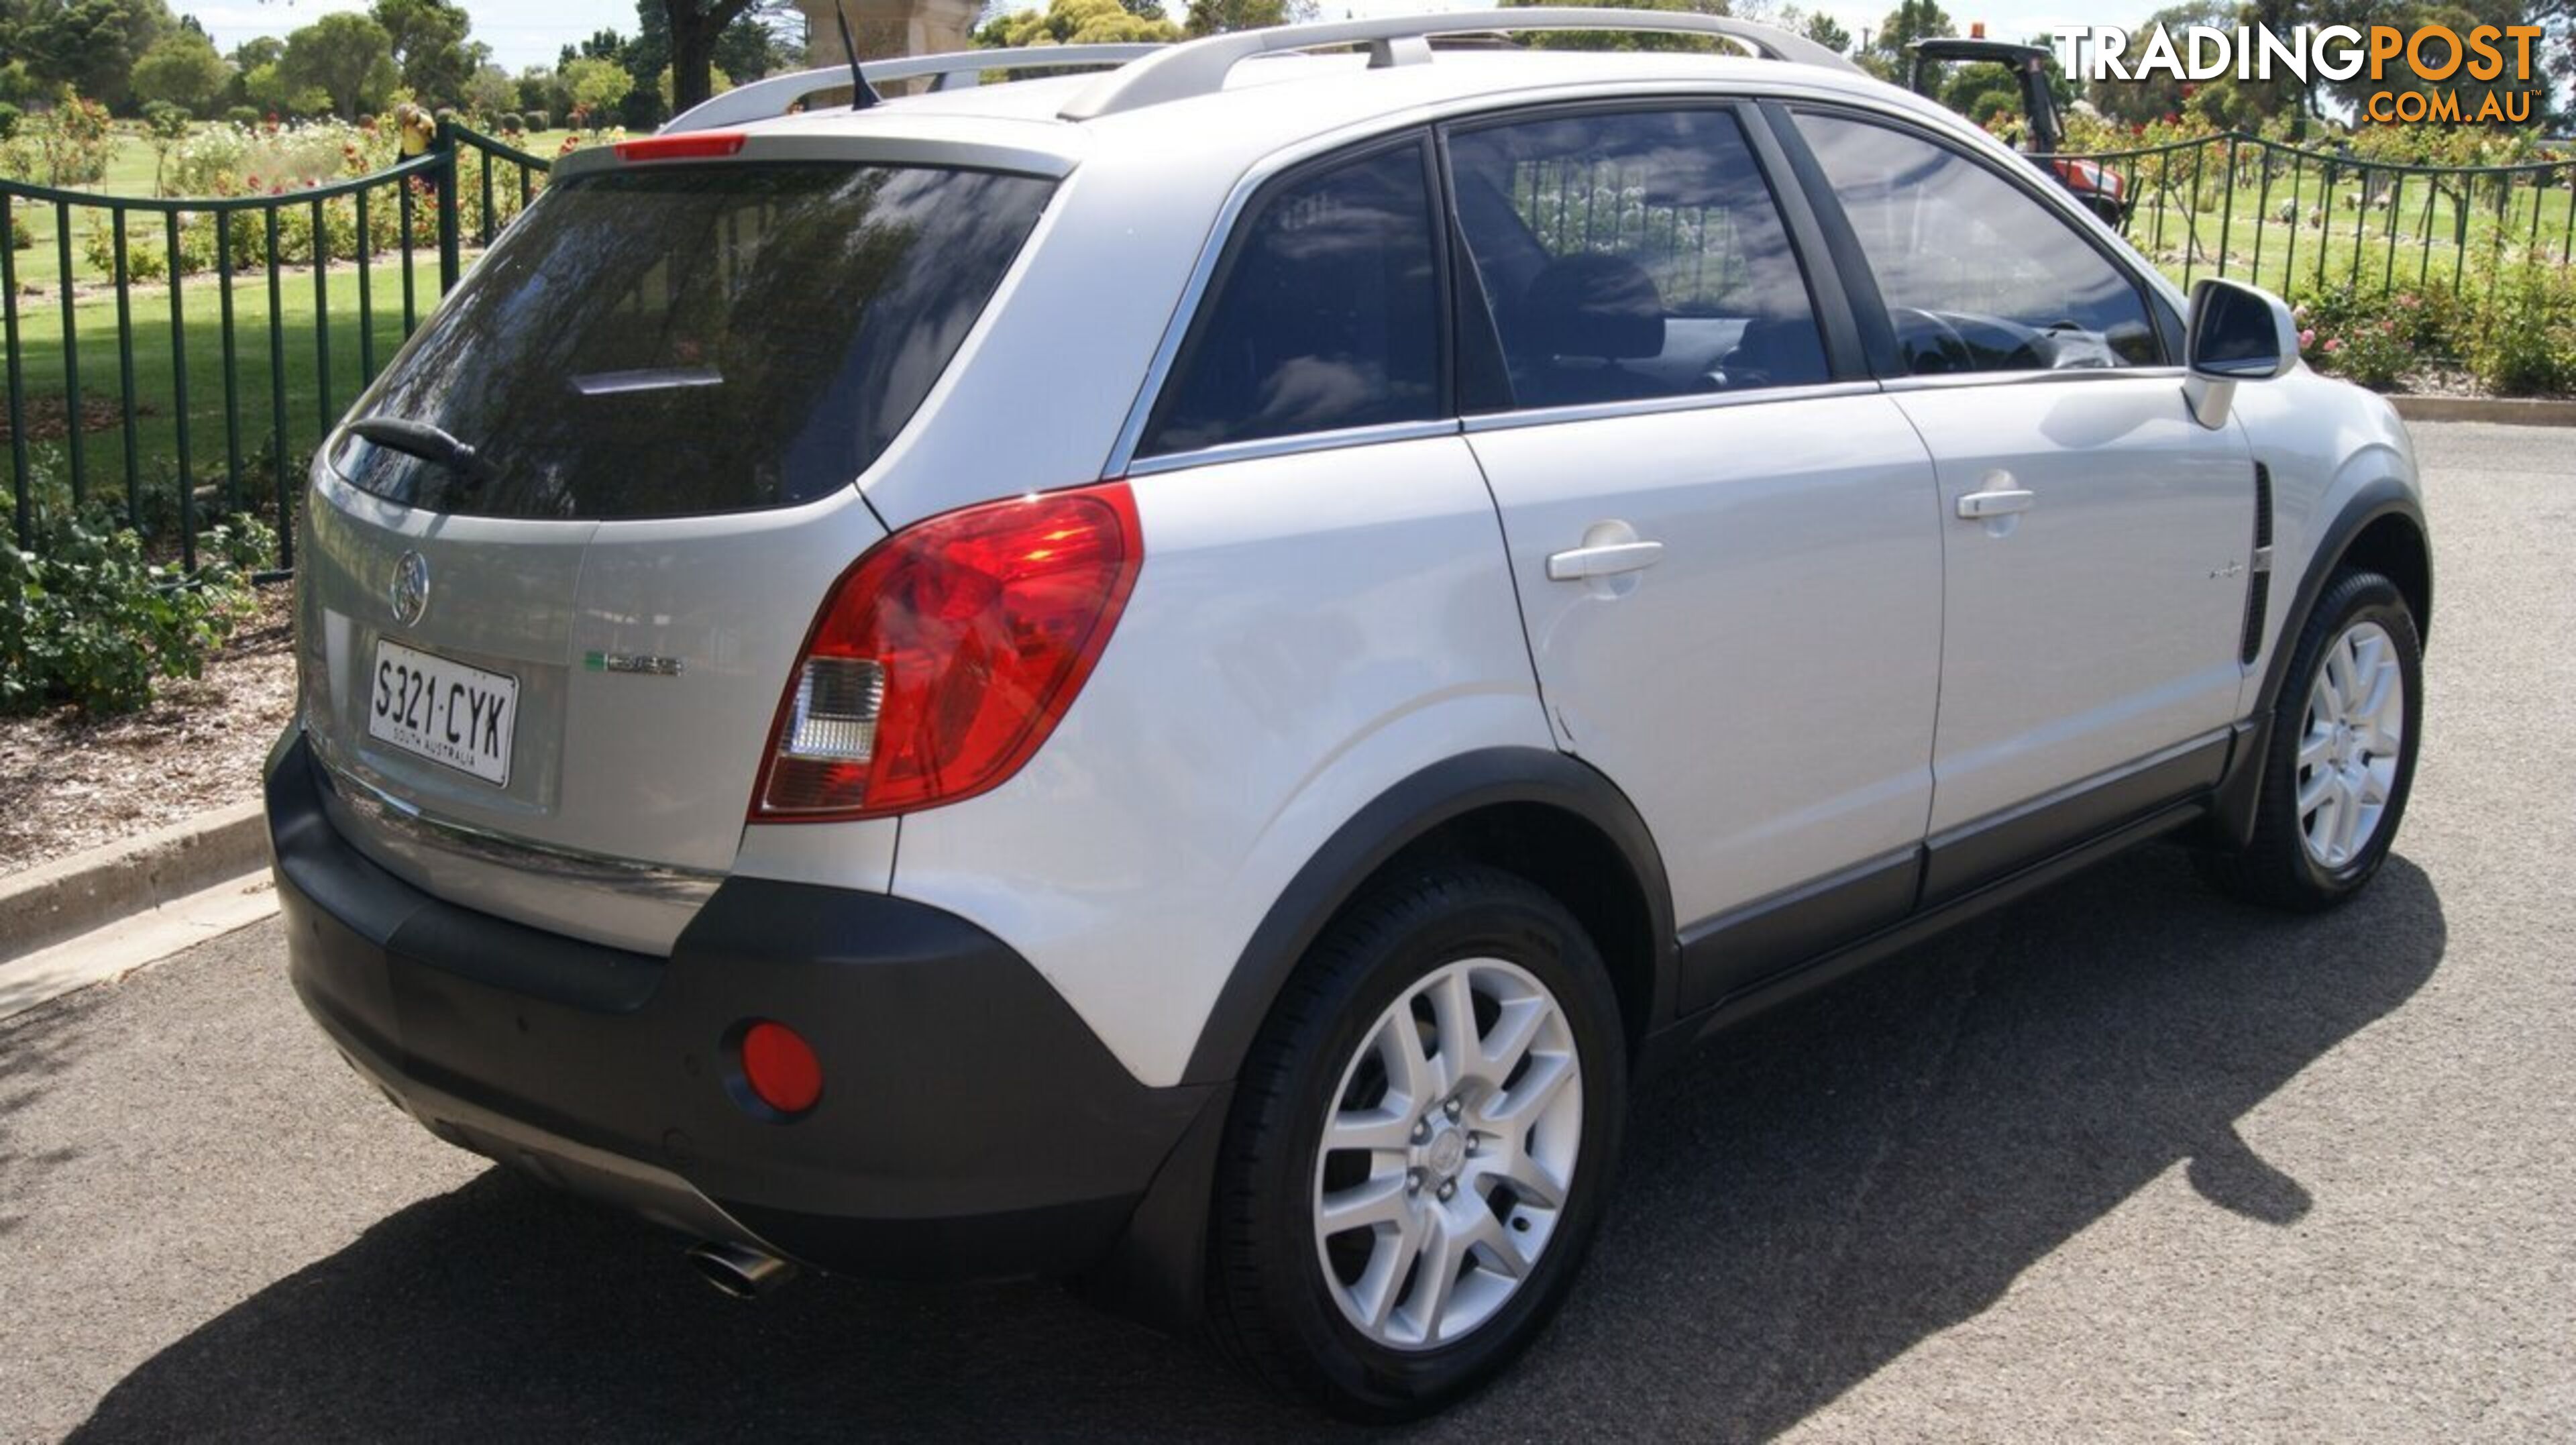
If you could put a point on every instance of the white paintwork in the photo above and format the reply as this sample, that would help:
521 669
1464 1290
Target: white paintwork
2101 623
1765 693
1308 631
1311 628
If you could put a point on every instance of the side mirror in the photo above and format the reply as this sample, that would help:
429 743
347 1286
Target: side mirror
2237 333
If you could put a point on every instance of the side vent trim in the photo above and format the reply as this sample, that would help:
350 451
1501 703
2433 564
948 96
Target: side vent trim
2258 570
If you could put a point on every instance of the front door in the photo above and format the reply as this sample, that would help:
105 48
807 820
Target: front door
2095 538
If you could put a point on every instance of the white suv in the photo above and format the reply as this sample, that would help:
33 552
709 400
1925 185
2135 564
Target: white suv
1176 676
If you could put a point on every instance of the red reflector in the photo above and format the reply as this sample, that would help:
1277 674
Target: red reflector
688 146
947 654
781 1068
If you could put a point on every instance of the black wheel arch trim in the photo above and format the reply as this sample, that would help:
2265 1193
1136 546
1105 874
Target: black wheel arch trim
1397 818
2231 820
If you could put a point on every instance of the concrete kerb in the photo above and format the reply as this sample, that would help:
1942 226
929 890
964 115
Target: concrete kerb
2507 410
69 897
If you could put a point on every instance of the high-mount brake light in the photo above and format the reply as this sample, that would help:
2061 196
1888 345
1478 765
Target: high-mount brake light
947 653
687 146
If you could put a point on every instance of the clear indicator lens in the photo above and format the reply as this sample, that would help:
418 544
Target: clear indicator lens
835 718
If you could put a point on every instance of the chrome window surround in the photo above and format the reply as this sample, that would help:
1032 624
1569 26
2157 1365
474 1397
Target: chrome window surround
1122 460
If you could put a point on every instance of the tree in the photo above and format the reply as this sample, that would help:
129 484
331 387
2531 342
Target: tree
89 45
183 70
1827 32
430 48
662 83
1630 39
1075 22
490 91
1211 17
596 86
347 57
694 26
1886 56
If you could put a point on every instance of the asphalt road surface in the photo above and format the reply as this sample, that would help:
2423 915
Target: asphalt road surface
2127 1161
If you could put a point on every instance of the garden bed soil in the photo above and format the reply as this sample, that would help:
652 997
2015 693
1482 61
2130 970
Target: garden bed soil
69 782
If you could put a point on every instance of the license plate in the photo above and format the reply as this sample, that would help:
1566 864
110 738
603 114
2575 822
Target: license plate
442 710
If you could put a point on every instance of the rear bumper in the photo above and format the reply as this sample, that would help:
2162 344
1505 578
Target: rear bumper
970 1124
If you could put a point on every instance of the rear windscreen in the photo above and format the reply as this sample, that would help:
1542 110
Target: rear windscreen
674 341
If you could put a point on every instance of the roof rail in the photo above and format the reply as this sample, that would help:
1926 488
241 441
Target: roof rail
767 99
1200 67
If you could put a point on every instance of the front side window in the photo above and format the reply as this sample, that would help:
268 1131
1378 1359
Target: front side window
1325 315
1975 273
1632 255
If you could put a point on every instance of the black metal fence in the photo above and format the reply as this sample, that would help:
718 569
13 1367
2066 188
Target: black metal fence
111 343
2289 218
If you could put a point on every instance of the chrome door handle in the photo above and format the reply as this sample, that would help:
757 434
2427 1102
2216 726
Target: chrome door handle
1977 506
1604 561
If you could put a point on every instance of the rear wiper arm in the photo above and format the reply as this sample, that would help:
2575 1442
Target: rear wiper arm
428 442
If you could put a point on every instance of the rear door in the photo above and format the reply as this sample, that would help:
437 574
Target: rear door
2095 536
543 673
1724 542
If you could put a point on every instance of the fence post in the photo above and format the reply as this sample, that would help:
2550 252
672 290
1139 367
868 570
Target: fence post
450 263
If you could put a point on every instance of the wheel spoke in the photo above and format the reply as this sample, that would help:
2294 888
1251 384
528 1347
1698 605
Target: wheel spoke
2347 830
1453 1011
1548 1074
2378 780
1379 1287
1494 1246
1514 1031
2338 678
1373 1130
1531 1182
1417 1078
1443 1254
2317 791
2316 747
1381 1200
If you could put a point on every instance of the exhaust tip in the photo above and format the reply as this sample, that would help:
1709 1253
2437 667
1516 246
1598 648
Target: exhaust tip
739 1271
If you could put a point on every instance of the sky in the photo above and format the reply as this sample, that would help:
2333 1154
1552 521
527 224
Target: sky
533 32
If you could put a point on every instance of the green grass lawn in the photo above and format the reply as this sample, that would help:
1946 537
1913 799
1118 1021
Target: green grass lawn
314 398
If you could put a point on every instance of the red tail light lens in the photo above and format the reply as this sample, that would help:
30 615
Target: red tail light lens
944 658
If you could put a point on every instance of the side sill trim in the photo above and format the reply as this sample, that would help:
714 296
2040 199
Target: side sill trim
1671 1044
1723 954
1990 847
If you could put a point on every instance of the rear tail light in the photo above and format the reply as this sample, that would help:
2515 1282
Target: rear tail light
946 655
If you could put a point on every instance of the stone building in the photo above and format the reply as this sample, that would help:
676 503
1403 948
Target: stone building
889 27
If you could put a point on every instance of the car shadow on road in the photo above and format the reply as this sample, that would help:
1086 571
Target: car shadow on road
1801 1203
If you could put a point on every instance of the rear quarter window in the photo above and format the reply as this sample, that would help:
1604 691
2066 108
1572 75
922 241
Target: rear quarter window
683 340
1325 314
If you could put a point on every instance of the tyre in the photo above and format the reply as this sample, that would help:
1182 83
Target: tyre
1419 1146
2341 755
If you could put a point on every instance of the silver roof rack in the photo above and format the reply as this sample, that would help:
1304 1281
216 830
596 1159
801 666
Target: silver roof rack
1200 67
770 98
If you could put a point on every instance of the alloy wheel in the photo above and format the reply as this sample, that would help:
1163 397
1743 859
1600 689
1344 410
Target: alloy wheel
1447 1153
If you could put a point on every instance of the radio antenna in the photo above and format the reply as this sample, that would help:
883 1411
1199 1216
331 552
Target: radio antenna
862 94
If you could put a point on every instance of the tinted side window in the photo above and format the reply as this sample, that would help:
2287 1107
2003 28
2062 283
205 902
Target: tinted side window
1325 315
1633 255
1977 276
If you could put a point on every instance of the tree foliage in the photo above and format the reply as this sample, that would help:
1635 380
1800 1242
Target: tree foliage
429 48
182 69
347 57
1077 22
90 45
1212 17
